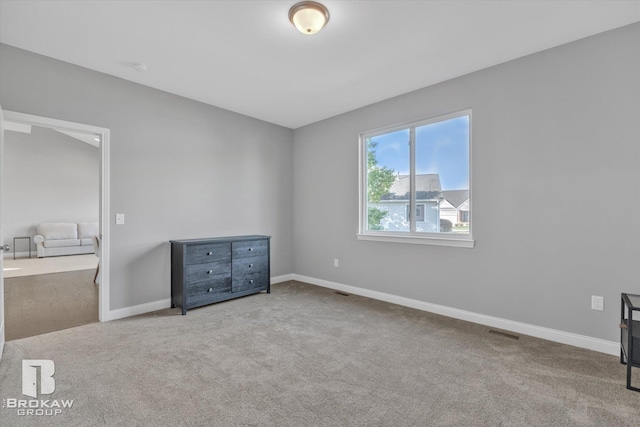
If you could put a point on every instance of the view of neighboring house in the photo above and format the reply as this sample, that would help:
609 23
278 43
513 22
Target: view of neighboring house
396 204
455 207
432 205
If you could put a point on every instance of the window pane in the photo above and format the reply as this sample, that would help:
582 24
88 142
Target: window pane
442 175
388 181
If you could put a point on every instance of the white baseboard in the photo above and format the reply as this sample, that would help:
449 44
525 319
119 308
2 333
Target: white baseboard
9 255
135 310
582 341
283 278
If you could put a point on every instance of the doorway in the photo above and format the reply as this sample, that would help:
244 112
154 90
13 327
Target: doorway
100 136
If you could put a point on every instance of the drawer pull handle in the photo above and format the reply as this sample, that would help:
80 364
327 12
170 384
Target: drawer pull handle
251 281
210 271
210 290
250 249
250 265
209 253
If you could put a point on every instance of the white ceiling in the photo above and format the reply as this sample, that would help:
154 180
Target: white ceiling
245 56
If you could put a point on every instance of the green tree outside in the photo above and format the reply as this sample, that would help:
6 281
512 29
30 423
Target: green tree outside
379 181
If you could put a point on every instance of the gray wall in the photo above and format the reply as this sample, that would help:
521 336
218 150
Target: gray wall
48 177
556 155
179 168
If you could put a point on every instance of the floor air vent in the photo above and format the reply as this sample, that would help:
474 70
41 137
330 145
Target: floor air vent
504 334
341 293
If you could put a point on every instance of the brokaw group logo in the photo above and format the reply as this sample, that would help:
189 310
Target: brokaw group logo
35 406
30 377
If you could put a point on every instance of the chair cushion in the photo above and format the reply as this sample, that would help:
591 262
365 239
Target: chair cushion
61 243
58 230
86 242
86 230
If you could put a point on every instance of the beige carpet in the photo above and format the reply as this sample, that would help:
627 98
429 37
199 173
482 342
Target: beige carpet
306 356
32 266
45 303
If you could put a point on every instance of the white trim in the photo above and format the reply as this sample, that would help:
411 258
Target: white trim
135 310
17 127
412 181
105 245
104 134
362 184
9 255
418 122
2 310
418 240
280 279
30 119
582 341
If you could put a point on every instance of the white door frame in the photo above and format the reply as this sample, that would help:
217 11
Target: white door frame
1 239
103 133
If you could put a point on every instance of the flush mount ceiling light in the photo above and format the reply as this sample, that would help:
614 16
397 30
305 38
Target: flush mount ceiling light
308 17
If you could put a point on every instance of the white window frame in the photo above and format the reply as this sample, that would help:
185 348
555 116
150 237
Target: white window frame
439 239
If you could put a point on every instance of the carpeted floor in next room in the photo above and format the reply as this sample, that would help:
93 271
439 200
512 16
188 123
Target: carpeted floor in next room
307 356
45 303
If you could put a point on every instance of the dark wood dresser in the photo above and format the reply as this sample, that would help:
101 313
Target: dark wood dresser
204 271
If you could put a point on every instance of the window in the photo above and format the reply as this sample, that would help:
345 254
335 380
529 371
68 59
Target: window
419 213
421 167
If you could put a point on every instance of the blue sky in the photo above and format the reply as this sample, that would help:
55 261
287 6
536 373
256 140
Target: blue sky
441 148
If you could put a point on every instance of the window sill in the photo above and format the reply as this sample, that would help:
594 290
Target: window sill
419 240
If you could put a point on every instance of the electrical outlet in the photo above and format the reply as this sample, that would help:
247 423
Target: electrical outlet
597 303
119 218
336 262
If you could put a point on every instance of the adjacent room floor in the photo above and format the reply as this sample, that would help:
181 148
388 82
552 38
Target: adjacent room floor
33 266
49 294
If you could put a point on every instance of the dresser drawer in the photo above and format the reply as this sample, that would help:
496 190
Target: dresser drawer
257 280
249 249
217 286
207 293
242 266
205 273
198 254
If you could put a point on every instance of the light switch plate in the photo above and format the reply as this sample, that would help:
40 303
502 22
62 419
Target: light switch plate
119 218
